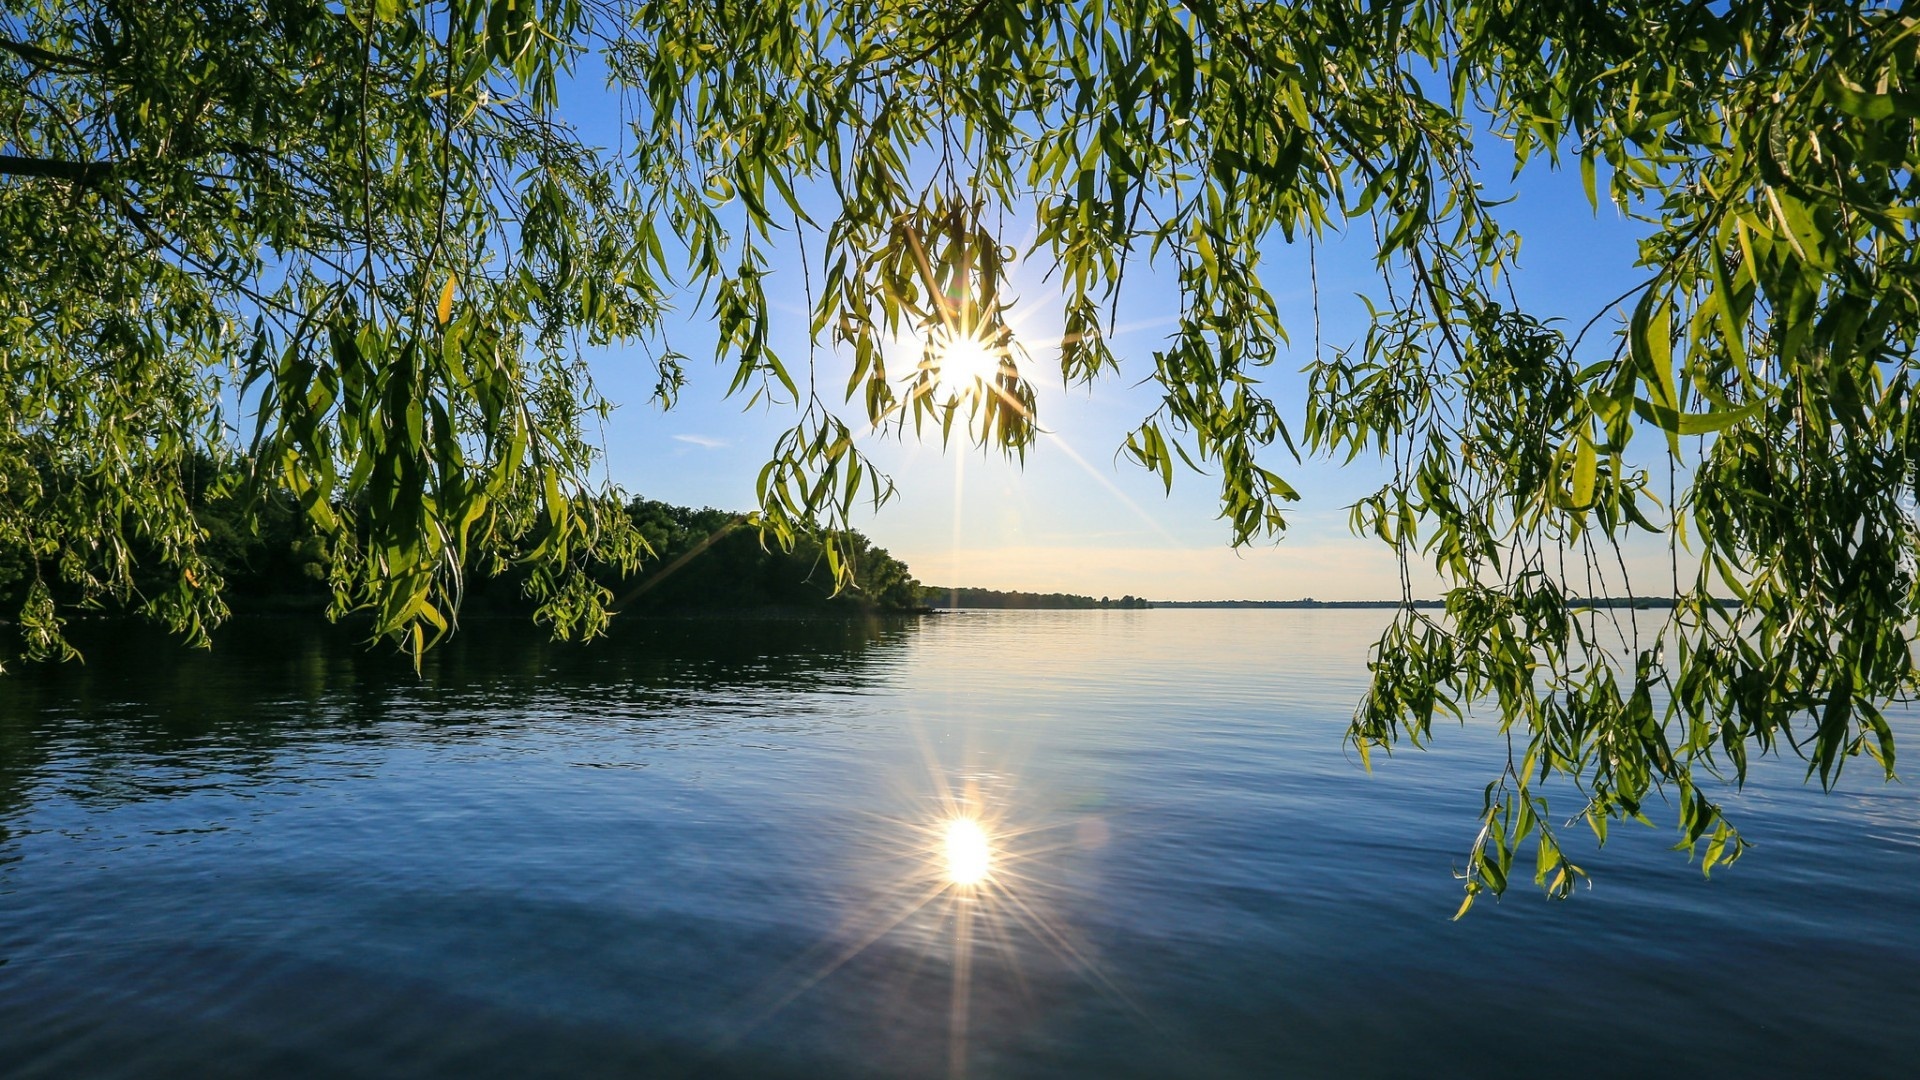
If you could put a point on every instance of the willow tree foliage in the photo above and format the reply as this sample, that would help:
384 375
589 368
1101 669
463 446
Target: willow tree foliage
374 215
358 242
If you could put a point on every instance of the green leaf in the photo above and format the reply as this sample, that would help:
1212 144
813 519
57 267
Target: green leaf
1695 423
1586 468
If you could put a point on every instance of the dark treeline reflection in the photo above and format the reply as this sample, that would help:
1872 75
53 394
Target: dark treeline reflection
226 713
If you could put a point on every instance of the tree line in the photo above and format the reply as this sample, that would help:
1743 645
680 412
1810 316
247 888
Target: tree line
954 597
264 555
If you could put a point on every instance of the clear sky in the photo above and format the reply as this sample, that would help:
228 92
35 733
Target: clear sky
1077 517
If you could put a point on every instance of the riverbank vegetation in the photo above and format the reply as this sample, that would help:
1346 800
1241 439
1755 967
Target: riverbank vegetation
265 557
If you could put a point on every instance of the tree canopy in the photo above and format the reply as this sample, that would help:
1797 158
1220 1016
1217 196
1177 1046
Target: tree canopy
367 231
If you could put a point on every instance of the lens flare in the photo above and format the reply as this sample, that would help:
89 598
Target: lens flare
969 857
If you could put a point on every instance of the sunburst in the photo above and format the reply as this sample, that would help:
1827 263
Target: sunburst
971 880
963 364
969 854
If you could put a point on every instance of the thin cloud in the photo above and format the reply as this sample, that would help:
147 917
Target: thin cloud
705 442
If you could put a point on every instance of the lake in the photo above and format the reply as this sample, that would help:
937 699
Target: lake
719 848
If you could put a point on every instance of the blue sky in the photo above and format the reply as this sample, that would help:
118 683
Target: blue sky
1076 517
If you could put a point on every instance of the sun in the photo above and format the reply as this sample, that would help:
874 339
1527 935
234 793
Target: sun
963 363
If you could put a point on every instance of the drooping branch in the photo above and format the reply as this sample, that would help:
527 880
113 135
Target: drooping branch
90 173
45 57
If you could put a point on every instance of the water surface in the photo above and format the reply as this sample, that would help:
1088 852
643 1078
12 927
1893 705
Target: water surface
714 848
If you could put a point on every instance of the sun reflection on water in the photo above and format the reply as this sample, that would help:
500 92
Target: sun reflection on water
969 855
974 880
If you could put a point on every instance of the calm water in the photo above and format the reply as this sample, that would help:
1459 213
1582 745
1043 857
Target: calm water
712 848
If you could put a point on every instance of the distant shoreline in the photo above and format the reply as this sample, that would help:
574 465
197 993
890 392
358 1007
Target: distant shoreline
949 598
1638 602
1293 603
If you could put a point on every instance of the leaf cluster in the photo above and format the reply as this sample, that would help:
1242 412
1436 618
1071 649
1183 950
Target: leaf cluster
363 228
1764 364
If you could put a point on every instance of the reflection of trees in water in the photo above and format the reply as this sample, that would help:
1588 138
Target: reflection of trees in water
143 717
20 755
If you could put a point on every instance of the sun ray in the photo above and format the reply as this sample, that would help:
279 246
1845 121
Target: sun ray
840 959
1114 489
1066 950
960 1006
997 930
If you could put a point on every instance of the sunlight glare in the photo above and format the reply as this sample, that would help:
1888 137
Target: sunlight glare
968 856
966 363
